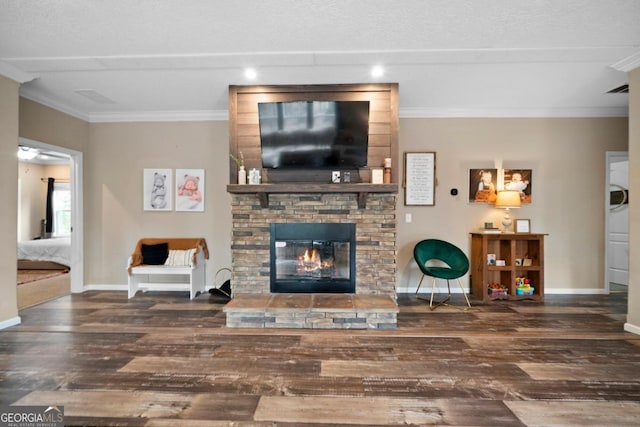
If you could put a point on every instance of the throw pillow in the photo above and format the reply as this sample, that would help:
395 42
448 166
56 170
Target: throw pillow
180 257
155 254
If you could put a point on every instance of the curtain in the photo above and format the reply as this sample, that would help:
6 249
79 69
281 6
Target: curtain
49 215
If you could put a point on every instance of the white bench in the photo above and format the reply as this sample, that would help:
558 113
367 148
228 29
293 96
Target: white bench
147 277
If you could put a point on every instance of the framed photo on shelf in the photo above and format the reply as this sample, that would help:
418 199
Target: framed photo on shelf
523 225
419 178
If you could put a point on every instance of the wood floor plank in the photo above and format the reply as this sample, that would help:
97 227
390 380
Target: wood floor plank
571 414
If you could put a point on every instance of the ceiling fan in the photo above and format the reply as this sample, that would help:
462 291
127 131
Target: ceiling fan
37 155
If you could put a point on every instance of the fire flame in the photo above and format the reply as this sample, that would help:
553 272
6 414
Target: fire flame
311 261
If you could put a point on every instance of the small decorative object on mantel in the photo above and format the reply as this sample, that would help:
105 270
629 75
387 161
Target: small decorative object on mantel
242 173
254 176
387 170
376 176
335 177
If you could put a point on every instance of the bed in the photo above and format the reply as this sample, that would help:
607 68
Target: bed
51 253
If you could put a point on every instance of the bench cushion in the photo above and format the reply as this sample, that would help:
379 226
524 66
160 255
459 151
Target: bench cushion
154 254
180 257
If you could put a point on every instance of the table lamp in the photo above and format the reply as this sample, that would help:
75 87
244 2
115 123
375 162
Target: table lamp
506 200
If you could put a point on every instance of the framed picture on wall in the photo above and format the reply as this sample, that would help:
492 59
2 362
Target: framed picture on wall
483 185
520 180
190 190
157 189
419 179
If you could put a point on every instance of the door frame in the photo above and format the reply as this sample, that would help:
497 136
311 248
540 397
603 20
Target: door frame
610 157
77 219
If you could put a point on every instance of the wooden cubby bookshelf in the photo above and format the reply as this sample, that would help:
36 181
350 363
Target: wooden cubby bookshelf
507 247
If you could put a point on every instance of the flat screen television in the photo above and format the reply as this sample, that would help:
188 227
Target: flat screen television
314 134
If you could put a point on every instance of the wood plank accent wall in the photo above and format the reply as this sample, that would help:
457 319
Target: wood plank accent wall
244 130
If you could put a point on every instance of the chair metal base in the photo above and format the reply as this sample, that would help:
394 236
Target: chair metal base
444 301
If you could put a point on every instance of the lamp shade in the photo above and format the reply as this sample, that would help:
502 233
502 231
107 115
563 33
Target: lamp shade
508 199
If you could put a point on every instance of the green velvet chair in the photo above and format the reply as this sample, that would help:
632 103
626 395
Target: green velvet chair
441 260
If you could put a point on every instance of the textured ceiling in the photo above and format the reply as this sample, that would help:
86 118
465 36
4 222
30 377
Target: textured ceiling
174 60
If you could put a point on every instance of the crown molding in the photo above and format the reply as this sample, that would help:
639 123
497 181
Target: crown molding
577 112
15 74
404 113
160 116
627 64
48 102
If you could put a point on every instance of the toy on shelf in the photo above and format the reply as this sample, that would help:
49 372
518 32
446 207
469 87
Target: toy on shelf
497 291
523 286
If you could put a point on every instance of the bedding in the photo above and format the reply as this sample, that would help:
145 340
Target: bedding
57 249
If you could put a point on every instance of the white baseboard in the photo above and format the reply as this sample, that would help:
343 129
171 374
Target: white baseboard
427 290
103 287
632 328
456 290
10 322
571 291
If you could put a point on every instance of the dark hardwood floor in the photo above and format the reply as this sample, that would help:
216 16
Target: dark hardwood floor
163 360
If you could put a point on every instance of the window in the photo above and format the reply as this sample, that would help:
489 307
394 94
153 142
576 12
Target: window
61 209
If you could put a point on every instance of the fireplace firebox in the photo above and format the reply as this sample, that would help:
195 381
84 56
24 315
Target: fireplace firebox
313 258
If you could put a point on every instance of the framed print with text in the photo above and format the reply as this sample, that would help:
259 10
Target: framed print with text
419 178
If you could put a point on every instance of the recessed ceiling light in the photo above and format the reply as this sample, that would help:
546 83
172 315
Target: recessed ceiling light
250 73
377 71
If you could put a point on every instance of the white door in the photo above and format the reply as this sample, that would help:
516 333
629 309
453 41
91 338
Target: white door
617 213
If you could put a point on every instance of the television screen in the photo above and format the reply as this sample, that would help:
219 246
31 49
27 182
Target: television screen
314 134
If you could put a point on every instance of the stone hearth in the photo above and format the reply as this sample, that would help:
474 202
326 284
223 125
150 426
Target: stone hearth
312 311
375 261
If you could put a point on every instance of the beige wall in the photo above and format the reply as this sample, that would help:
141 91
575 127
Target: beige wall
32 198
633 316
50 126
568 161
9 197
114 215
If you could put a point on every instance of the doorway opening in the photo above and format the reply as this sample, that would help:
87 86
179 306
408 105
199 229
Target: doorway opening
73 219
616 268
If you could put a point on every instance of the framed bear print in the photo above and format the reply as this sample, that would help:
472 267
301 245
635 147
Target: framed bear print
157 189
190 190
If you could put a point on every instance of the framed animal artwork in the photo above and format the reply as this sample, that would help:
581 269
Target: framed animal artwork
190 190
157 189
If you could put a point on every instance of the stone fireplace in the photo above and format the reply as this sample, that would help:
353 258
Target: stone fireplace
375 236
374 281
